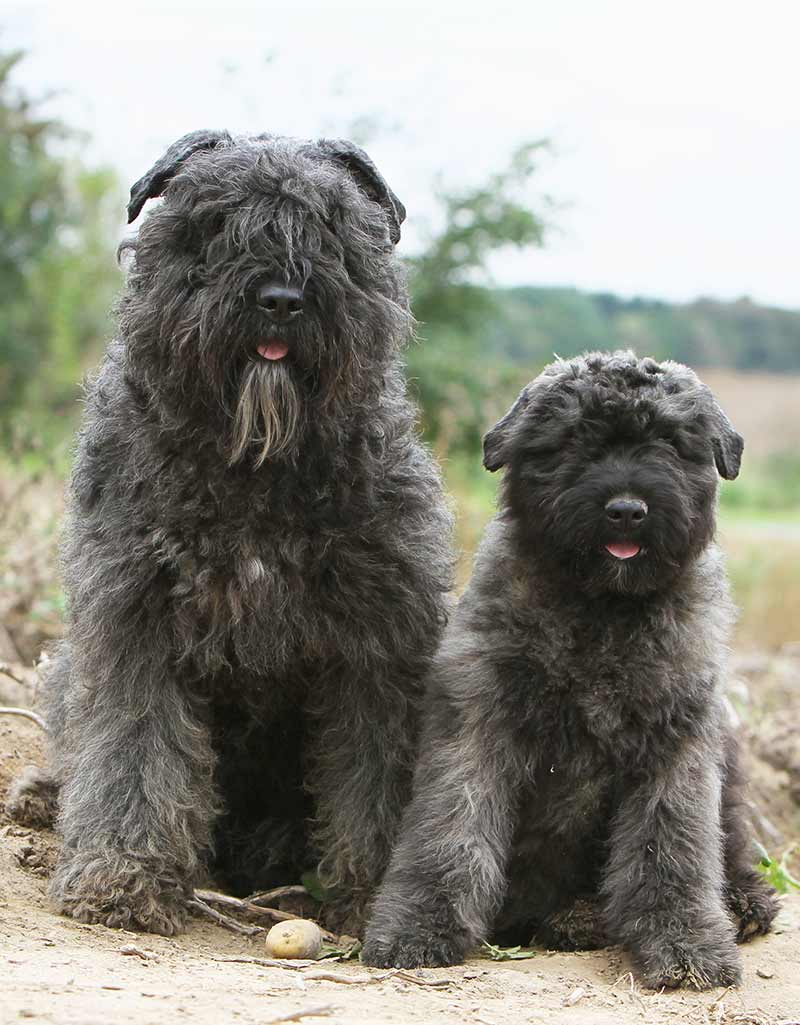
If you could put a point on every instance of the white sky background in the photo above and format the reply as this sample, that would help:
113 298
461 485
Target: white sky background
675 127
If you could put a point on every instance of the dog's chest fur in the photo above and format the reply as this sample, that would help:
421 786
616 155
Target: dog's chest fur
295 560
625 686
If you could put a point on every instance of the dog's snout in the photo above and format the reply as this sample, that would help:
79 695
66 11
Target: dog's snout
283 303
626 513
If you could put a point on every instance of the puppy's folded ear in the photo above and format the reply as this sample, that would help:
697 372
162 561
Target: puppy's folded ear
369 178
164 170
497 440
726 443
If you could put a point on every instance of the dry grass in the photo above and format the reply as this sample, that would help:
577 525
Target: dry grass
765 408
31 604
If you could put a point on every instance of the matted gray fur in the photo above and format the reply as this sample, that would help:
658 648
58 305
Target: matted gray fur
257 551
578 782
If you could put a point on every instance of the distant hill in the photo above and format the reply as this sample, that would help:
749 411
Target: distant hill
531 324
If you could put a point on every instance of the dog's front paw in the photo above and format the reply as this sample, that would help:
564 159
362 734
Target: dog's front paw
696 965
345 917
420 950
33 798
120 892
578 927
755 905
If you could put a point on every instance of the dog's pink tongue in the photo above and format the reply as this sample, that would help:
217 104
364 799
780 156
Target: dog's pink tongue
623 550
273 350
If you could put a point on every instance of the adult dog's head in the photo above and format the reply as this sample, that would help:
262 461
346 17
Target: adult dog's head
264 293
612 466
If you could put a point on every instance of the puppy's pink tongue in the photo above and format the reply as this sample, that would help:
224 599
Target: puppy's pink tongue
624 550
273 350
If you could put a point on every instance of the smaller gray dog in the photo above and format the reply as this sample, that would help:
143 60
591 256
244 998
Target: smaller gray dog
578 781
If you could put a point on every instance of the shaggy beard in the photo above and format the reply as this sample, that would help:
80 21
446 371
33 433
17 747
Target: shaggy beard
268 413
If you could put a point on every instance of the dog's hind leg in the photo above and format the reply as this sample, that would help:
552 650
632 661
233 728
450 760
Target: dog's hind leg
33 798
579 926
750 899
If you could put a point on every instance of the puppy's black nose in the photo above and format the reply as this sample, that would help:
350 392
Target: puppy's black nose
626 513
281 302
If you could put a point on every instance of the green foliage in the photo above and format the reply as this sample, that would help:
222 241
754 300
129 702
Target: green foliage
350 952
477 222
771 485
452 372
57 268
314 887
777 873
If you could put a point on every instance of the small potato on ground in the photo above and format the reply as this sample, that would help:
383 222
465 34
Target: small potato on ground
298 938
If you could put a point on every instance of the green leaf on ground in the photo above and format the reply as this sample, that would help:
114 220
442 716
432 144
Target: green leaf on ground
314 887
777 873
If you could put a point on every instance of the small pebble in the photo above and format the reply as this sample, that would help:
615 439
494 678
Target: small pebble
575 996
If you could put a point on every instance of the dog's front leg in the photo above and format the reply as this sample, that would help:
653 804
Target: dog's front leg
664 881
137 799
447 875
362 756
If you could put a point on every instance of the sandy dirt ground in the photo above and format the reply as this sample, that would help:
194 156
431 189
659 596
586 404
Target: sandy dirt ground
53 970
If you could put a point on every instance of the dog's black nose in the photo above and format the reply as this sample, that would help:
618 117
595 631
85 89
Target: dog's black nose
626 513
281 302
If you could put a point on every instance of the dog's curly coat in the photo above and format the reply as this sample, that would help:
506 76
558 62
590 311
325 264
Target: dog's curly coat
578 780
257 552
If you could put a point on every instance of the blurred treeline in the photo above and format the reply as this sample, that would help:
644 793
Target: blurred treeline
741 335
57 267
60 221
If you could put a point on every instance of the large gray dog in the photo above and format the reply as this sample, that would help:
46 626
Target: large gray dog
257 551
578 780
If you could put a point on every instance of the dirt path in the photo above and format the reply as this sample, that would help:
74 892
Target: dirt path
53 970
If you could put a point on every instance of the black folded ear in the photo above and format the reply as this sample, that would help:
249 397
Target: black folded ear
497 440
369 178
726 443
164 170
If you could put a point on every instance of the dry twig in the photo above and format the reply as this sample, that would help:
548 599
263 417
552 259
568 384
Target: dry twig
199 905
268 962
264 898
26 713
131 950
247 907
347 980
322 1011
6 670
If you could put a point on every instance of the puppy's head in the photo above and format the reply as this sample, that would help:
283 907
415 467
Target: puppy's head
612 465
265 284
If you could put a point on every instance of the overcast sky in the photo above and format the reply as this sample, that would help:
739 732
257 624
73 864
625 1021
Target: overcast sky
675 126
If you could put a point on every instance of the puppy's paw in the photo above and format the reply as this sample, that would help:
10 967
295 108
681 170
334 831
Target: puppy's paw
120 892
345 917
696 965
754 905
33 798
412 951
578 927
